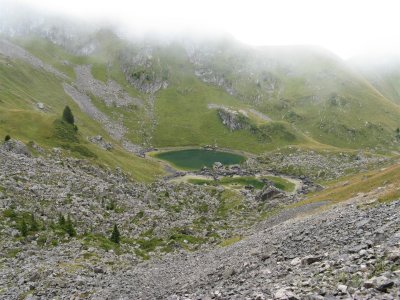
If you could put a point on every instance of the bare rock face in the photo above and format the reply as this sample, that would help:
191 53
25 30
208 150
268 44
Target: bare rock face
232 119
144 72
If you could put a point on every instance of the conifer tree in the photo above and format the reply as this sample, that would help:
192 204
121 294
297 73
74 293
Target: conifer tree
68 116
115 235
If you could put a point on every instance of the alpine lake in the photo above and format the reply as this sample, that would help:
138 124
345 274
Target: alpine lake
195 159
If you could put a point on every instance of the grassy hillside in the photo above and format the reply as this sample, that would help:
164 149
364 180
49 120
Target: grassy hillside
180 111
309 96
309 88
23 86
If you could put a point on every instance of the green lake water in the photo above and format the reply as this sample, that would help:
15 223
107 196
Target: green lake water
195 159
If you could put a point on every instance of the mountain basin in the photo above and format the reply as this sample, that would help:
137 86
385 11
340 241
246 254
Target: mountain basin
195 159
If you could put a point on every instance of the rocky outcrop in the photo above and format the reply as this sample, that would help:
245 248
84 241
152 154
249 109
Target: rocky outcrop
99 140
16 147
145 72
269 193
232 119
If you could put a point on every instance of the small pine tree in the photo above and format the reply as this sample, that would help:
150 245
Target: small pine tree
34 223
115 235
24 228
69 227
68 116
7 138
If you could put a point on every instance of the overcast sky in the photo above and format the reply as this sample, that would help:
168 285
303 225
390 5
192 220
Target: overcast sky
346 27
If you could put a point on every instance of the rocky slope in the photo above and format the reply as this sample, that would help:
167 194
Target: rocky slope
348 250
351 251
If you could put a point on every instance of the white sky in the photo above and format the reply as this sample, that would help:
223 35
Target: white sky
346 27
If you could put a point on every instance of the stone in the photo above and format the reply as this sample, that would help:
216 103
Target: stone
285 294
394 255
228 273
380 283
308 260
342 288
269 193
295 261
98 270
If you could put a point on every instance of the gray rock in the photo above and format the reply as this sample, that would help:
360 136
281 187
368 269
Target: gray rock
16 147
381 283
342 288
308 260
269 193
285 294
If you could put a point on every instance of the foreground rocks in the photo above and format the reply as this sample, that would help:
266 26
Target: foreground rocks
326 256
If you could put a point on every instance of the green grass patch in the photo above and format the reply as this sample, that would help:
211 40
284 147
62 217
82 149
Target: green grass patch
65 132
230 181
239 182
348 187
282 183
389 196
11 253
230 202
230 241
98 240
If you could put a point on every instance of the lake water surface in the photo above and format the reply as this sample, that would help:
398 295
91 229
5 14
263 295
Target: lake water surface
195 159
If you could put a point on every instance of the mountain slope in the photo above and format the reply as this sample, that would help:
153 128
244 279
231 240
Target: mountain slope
192 92
308 88
32 98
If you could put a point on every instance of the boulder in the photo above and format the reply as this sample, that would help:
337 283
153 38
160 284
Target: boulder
380 283
308 260
269 193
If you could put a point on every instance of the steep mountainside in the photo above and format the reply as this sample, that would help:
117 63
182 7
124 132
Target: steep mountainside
187 92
